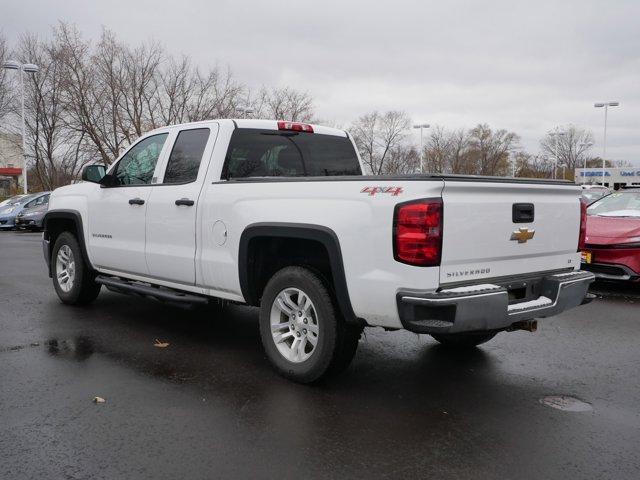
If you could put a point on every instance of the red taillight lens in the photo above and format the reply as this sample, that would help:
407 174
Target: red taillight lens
417 233
583 226
295 127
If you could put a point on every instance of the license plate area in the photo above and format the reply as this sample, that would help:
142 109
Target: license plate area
523 290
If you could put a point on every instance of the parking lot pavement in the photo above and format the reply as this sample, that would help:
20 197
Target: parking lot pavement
209 406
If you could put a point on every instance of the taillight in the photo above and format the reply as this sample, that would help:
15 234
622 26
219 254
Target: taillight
417 232
295 127
583 226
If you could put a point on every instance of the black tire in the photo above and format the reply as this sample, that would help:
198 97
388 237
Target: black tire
337 341
463 340
84 289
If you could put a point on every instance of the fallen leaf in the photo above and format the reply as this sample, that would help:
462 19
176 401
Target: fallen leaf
160 344
98 400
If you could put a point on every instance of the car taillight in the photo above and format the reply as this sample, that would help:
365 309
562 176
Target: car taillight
583 226
295 127
417 233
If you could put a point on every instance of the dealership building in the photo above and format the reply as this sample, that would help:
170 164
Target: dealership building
10 164
613 177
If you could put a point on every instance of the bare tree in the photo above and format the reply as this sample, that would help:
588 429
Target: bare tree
447 151
402 159
284 103
377 136
573 145
437 150
184 94
56 151
91 90
6 97
489 150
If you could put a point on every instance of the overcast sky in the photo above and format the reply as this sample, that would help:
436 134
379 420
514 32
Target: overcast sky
525 67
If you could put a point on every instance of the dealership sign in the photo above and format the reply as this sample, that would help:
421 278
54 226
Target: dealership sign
615 175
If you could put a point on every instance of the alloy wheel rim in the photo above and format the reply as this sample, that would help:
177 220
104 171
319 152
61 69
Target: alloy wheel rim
294 325
65 268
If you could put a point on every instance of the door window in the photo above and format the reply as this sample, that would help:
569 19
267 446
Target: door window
139 163
186 156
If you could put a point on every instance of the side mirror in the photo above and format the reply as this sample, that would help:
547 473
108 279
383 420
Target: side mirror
93 173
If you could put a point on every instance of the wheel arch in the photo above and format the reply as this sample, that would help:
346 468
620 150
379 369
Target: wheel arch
57 221
294 231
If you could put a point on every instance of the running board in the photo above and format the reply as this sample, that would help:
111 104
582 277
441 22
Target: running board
163 294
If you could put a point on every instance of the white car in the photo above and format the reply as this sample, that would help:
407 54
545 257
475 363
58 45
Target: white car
278 215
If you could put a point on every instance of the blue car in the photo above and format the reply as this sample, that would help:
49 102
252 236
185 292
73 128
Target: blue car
9 212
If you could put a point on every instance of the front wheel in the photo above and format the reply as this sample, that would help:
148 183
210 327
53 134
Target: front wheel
302 332
73 280
463 340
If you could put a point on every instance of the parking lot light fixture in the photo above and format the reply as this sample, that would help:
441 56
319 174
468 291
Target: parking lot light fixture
29 68
606 106
422 126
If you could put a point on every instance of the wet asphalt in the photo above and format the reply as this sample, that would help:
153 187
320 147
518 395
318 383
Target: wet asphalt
209 406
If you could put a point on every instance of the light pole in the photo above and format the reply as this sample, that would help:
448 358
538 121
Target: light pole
556 138
421 126
606 106
30 68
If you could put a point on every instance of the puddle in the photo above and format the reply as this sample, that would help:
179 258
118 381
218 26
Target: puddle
566 403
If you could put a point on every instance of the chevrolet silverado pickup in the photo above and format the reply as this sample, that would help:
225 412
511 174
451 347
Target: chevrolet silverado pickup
279 215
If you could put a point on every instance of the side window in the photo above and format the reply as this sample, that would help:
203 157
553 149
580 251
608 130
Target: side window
137 166
186 156
257 154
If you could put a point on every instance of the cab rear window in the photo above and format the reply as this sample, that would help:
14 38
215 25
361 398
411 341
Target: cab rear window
273 153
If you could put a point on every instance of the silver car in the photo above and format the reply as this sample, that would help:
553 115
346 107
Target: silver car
32 214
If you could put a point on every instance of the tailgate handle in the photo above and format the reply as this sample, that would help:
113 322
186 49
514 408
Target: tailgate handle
523 212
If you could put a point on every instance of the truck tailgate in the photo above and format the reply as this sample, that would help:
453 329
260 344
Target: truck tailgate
488 233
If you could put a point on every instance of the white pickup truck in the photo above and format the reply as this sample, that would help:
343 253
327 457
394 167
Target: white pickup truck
278 215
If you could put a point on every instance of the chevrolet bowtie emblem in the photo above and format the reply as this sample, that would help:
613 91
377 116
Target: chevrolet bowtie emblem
522 235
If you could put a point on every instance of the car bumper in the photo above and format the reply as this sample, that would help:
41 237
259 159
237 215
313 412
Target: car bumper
27 223
486 307
614 263
7 222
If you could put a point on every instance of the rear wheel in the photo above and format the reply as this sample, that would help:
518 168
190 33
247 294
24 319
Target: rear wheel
302 332
463 340
73 280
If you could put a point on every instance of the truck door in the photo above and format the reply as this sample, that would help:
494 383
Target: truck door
171 233
116 218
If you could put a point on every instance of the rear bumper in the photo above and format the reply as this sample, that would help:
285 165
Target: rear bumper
486 307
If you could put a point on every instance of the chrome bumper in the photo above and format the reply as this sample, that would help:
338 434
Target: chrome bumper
486 307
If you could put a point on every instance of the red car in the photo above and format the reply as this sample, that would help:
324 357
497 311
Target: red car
612 244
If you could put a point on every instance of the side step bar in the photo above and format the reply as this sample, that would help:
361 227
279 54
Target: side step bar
163 294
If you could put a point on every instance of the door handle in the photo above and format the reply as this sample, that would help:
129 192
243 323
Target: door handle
185 201
136 201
